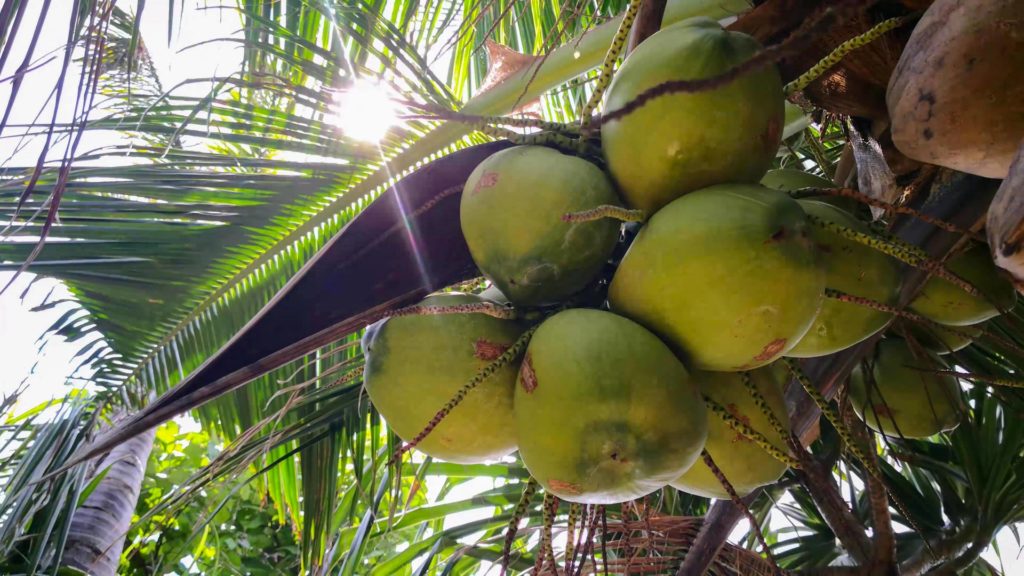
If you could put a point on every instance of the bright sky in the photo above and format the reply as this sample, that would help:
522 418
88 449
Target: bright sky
47 368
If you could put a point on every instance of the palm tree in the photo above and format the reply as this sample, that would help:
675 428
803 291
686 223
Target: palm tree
174 239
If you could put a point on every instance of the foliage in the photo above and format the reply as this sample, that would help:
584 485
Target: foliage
241 537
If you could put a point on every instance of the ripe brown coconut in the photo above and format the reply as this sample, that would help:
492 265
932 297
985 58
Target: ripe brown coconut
956 98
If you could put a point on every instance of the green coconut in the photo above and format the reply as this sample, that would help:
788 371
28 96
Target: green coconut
943 302
852 268
604 411
905 398
511 214
745 464
682 142
726 275
790 179
416 364
942 341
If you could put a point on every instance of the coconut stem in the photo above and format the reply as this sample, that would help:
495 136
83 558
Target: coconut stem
608 66
552 139
882 307
845 436
574 515
882 204
904 253
348 377
488 308
842 50
432 112
605 211
756 437
546 554
507 357
996 381
763 406
831 415
513 525
754 526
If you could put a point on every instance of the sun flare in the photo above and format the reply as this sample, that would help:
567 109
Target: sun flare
365 111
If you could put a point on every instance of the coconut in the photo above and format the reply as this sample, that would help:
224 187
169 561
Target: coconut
726 275
953 98
1004 225
681 142
416 364
904 397
604 412
743 463
511 213
789 180
938 340
854 269
946 303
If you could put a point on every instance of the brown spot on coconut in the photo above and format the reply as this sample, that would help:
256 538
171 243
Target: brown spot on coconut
486 350
527 377
955 98
771 350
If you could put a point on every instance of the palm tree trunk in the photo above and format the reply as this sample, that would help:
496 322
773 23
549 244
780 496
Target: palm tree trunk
98 528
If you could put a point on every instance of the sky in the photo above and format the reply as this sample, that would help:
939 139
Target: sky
175 60
47 368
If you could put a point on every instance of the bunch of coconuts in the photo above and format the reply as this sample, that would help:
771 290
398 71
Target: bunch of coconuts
610 400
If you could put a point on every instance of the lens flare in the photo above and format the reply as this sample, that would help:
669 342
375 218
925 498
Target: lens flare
365 111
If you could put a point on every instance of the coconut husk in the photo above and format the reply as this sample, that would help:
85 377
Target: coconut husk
856 85
1005 222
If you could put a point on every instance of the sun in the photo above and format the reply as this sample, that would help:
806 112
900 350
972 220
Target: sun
365 111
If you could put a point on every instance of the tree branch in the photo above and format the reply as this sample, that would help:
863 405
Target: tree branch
965 559
823 490
648 21
942 548
718 523
883 558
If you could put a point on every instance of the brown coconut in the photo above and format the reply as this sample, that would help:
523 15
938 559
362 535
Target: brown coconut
956 98
1005 223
